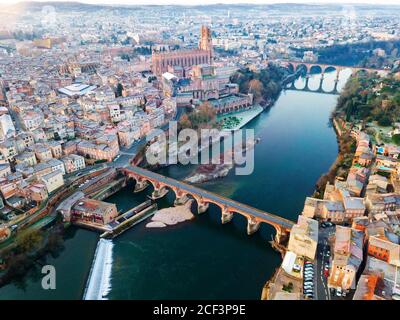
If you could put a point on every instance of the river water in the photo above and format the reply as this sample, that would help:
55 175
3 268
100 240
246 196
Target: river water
202 258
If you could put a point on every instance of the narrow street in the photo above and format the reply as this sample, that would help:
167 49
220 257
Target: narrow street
322 291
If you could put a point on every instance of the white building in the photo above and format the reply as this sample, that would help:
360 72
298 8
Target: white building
77 89
7 129
53 180
73 163
56 164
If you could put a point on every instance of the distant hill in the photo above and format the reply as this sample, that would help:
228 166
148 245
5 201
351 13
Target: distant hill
60 6
284 7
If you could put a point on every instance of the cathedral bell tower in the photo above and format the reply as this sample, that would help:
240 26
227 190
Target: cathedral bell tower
206 40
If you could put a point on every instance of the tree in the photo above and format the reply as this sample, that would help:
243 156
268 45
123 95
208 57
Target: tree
29 241
203 117
384 121
396 139
119 90
264 84
184 122
257 89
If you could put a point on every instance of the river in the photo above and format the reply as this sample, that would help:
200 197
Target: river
202 258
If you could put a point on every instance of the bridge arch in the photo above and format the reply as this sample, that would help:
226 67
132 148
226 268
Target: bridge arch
141 183
301 67
204 198
363 71
316 69
330 69
291 67
182 196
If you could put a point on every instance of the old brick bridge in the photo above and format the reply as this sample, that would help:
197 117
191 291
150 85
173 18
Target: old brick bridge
162 185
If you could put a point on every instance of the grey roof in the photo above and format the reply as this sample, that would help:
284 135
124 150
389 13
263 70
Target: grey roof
334 206
353 203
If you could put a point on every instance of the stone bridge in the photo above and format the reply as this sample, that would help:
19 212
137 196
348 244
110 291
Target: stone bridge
162 185
308 66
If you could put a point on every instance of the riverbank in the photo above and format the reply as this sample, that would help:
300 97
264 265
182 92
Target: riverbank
209 172
275 287
44 235
237 120
341 165
150 264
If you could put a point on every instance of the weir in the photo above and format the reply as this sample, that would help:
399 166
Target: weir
98 283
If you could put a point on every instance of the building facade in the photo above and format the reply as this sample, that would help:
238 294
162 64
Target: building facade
184 58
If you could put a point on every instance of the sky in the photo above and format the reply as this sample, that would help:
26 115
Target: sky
203 2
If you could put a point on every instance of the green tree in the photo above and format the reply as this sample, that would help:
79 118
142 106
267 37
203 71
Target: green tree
29 241
119 90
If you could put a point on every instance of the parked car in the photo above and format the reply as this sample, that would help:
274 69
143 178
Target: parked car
296 268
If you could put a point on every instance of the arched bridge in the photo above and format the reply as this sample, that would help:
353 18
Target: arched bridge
308 66
298 67
203 198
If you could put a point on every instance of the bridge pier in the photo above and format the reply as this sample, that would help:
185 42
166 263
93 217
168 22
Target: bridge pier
181 200
281 236
306 88
226 216
335 90
321 81
254 216
338 74
159 192
202 206
252 225
140 185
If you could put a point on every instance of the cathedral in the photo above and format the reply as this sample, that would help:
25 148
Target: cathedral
184 58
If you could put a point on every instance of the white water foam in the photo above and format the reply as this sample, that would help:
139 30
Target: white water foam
99 282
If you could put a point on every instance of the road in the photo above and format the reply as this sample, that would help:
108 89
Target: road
321 286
